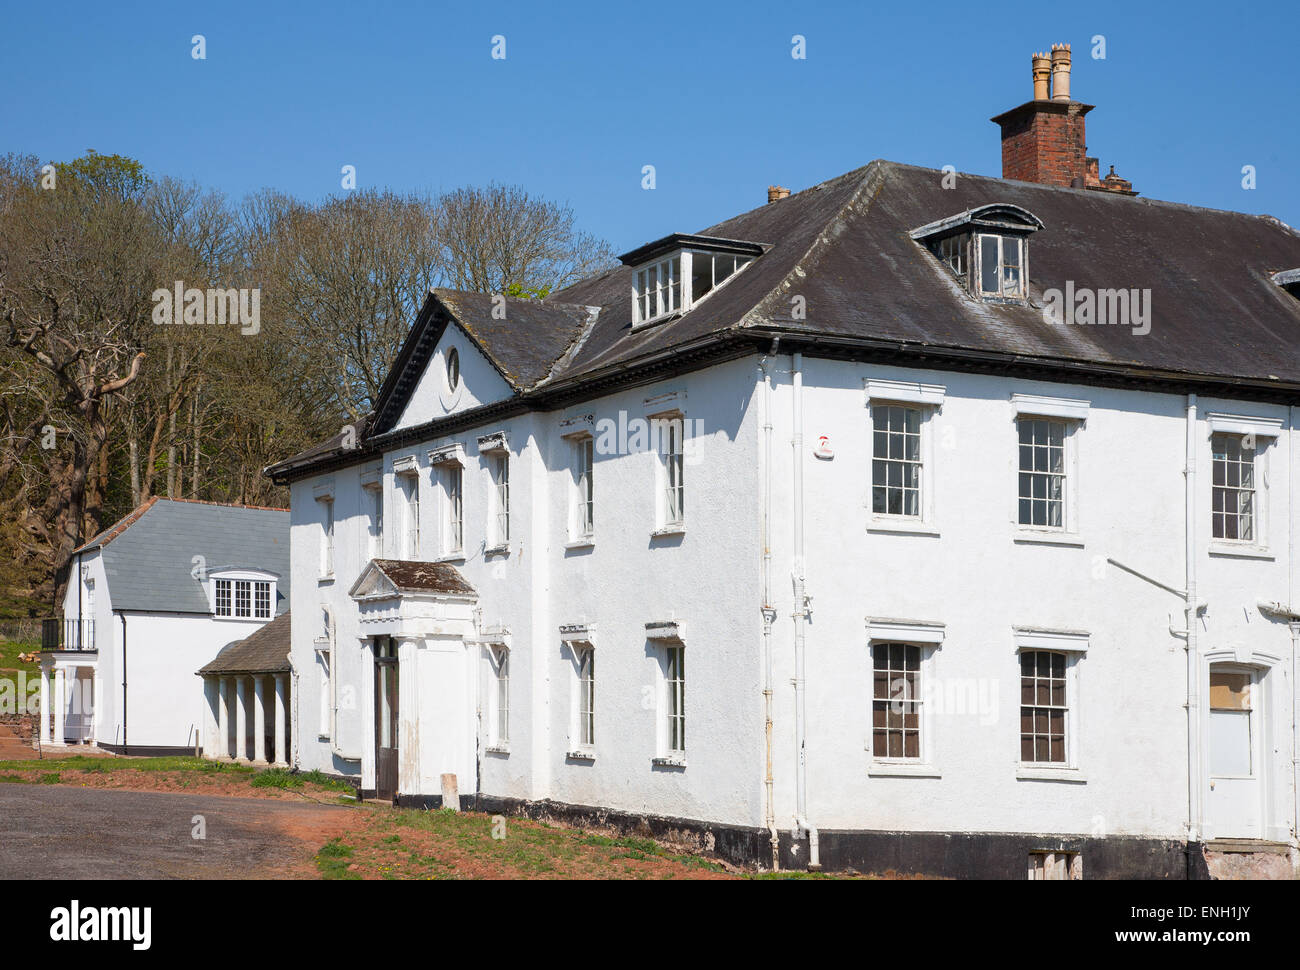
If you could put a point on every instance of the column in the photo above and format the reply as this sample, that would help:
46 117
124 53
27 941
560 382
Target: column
97 702
211 716
45 704
241 719
60 705
281 715
222 748
259 719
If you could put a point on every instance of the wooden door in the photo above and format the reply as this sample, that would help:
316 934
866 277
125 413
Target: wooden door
386 712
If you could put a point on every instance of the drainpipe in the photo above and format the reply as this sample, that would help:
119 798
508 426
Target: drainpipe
801 601
1193 657
769 612
122 615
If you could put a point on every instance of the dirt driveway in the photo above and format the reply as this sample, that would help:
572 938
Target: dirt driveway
57 832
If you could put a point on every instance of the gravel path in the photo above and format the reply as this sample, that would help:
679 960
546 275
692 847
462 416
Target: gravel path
58 832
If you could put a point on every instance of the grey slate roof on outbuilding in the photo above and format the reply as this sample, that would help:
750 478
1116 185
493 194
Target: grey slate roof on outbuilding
1220 316
264 652
149 556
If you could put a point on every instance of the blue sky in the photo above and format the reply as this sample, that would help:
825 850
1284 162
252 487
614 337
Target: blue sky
707 92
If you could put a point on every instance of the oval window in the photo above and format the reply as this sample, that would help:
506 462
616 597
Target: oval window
453 369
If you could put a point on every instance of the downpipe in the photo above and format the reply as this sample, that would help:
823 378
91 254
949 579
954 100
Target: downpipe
800 615
769 612
1194 812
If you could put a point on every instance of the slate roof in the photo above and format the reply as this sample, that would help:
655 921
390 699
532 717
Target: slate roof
1217 315
264 652
149 554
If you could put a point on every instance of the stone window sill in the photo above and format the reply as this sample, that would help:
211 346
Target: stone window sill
914 527
1048 538
581 754
900 769
669 761
498 749
1243 550
1045 773
675 529
586 542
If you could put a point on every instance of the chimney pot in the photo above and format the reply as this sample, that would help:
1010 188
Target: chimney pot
1060 72
1042 70
775 192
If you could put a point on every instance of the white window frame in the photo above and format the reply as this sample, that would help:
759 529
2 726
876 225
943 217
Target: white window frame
372 495
927 399
237 582
448 466
1264 433
927 638
406 479
582 726
499 699
660 304
582 528
672 703
1073 414
499 501
325 509
668 429
1073 645
325 669
977 266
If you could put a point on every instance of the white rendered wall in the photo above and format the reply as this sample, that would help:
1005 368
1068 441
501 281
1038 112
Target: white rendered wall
981 584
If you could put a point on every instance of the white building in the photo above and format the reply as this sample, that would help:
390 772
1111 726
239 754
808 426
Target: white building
815 537
149 601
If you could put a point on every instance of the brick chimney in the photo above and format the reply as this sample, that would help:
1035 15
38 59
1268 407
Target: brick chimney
775 192
1044 141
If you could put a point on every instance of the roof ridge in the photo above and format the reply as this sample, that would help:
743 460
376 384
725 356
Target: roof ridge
872 177
224 505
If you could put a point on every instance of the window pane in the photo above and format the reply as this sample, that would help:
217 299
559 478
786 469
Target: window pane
989 264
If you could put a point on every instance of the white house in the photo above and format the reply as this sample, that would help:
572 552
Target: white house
827 537
149 601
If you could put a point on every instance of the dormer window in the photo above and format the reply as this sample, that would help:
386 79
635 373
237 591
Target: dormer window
677 272
243 595
1289 280
986 249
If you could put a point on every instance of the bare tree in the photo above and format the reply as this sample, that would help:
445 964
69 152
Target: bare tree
500 239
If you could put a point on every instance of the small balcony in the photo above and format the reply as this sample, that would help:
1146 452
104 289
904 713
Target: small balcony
76 635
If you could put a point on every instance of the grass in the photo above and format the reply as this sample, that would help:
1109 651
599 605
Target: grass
99 765
9 651
333 860
443 844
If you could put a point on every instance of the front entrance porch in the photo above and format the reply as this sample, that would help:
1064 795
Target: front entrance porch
69 691
418 653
